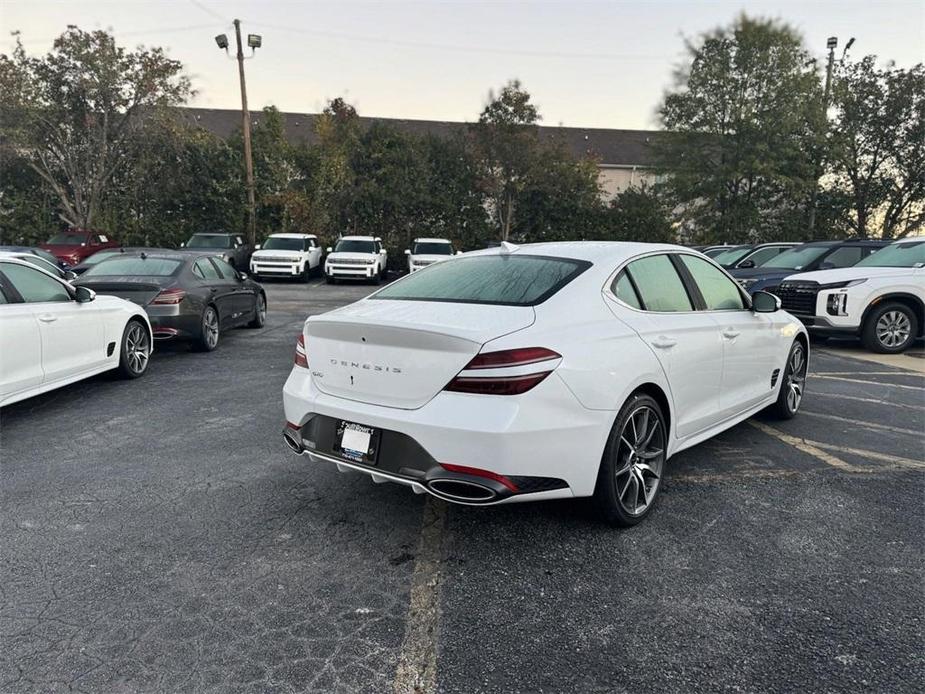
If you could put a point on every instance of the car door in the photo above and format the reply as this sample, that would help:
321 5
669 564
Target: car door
750 345
221 290
314 253
685 341
383 257
20 344
72 334
243 297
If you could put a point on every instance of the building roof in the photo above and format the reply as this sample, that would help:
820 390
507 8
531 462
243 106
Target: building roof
618 148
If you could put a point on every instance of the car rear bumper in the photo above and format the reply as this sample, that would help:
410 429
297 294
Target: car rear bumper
544 442
169 322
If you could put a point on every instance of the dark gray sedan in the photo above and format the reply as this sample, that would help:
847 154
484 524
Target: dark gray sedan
187 296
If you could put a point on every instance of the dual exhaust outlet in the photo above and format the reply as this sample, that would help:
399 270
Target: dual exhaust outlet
453 487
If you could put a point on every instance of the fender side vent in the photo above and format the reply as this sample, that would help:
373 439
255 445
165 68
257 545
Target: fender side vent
774 376
110 349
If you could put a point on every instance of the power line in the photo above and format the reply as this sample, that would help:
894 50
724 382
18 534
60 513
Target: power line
208 10
138 32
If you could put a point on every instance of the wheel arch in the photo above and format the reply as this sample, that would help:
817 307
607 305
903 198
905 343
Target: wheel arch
656 392
911 300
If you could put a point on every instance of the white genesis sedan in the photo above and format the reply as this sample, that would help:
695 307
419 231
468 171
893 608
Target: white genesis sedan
543 371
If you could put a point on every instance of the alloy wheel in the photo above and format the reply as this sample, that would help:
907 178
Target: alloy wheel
210 327
261 309
137 348
640 459
796 377
893 329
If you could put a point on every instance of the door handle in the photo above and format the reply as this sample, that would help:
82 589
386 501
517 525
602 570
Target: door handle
47 318
663 342
213 289
731 334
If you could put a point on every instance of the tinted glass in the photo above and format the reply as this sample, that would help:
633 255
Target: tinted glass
34 286
355 247
68 238
225 269
277 243
135 265
209 241
796 258
429 248
507 280
910 254
622 288
719 292
42 264
843 257
764 255
730 258
205 269
713 252
659 284
97 257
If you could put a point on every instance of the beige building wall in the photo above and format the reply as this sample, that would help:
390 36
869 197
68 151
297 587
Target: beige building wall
615 179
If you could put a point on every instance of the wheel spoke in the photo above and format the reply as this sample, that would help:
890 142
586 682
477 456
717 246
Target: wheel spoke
643 426
647 470
651 454
648 437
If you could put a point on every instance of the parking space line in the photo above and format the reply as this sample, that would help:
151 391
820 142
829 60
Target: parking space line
872 400
873 455
863 373
875 383
862 423
416 672
805 446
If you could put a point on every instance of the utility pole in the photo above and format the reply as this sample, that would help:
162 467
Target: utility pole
254 41
246 130
831 45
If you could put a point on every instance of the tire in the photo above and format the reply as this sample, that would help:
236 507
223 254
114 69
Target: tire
306 275
890 328
209 330
629 479
134 350
260 312
792 383
329 280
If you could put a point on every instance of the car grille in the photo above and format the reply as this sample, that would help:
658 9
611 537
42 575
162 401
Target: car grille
349 261
422 263
272 259
798 297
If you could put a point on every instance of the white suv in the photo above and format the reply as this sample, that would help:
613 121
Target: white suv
356 258
287 255
425 252
881 299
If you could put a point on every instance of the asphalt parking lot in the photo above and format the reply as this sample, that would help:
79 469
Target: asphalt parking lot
158 536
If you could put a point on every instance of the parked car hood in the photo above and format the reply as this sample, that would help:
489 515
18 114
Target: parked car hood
845 274
352 256
434 258
274 253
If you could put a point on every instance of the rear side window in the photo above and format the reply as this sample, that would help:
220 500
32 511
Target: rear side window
660 287
624 290
719 292
206 270
504 280
843 257
34 286
135 265
765 254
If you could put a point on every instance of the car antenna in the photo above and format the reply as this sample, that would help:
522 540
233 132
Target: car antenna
143 255
509 247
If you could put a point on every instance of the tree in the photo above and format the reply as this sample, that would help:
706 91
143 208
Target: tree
505 141
74 114
877 147
640 214
744 126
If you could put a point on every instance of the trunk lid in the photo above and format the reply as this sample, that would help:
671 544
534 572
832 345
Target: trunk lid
139 290
401 353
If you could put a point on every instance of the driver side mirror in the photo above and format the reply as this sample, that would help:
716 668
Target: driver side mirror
827 266
329 250
84 295
70 275
407 252
242 276
746 264
257 247
765 302
183 244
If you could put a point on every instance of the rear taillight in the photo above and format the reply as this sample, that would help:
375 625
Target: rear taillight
507 372
169 296
301 356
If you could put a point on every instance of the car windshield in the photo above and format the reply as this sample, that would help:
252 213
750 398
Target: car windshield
713 252
97 257
910 254
135 265
209 241
282 243
355 246
731 257
68 238
797 258
504 280
432 248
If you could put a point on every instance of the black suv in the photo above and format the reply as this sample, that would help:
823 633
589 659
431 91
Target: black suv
817 255
232 248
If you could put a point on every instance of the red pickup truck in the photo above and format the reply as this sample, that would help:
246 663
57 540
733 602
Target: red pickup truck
73 245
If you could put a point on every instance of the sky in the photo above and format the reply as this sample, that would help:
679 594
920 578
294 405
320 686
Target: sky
586 64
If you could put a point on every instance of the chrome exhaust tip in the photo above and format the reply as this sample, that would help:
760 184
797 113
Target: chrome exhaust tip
292 442
462 490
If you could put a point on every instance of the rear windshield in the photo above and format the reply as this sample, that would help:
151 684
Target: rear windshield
432 248
149 267
209 241
102 255
504 280
67 238
354 246
909 254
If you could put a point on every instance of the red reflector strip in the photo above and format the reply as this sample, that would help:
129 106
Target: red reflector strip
512 357
477 472
500 385
290 425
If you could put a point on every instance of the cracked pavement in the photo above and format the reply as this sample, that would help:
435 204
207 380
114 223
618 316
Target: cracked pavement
157 536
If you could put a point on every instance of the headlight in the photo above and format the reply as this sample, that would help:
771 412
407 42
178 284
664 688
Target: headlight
371 261
843 285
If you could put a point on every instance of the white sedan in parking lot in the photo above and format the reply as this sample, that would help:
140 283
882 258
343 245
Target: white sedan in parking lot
52 334
540 372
